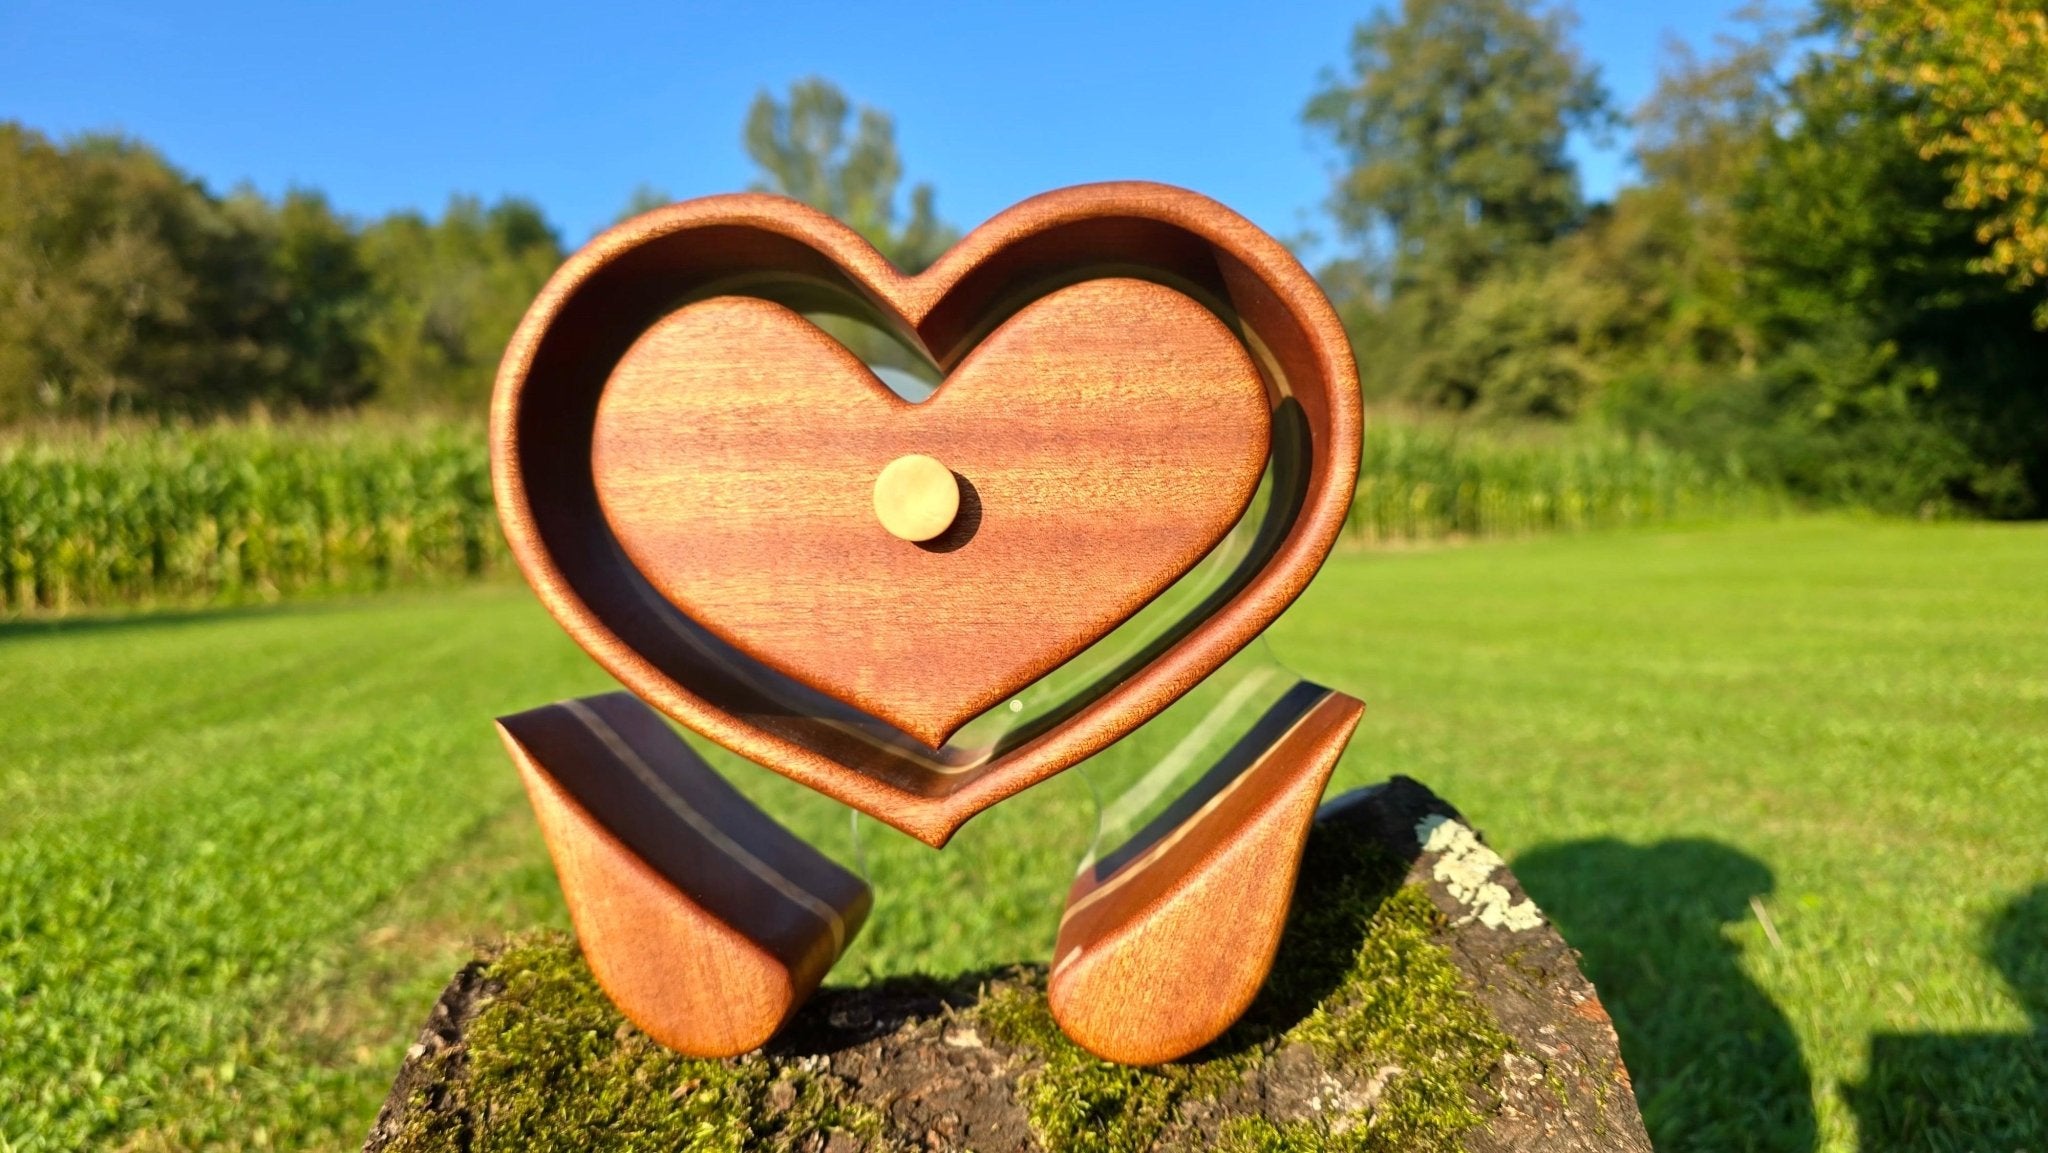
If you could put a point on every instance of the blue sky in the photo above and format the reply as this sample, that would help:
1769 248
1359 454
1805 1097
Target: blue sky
388 105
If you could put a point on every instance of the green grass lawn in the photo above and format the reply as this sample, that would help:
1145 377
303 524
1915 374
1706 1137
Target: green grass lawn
1785 785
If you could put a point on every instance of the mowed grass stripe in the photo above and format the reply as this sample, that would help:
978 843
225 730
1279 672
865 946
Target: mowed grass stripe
266 816
222 912
1844 720
179 893
248 688
1859 710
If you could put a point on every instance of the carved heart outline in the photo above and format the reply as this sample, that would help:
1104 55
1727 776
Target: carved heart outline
626 279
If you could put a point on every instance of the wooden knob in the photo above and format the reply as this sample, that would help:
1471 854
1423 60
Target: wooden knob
916 497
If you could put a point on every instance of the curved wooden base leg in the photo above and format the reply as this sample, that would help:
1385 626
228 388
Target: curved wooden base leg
1166 941
706 922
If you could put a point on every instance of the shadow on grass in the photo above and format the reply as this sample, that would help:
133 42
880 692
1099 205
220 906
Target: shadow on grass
1960 1091
122 620
1715 1063
115 620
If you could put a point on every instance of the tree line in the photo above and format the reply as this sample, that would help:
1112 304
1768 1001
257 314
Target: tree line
1827 272
128 288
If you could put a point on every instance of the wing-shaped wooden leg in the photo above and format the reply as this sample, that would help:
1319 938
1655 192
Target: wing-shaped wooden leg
1166 941
706 922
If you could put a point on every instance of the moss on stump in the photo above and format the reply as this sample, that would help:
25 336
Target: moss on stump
1419 1003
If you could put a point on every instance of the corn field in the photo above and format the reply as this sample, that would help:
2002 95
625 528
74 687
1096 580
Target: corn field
239 512
255 511
1421 482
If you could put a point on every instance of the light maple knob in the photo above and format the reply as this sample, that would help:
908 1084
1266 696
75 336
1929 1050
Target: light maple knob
916 497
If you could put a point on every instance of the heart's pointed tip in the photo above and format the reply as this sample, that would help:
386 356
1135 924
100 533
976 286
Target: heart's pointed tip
931 732
938 835
931 719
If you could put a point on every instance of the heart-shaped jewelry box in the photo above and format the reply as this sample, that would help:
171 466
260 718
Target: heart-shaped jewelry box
685 466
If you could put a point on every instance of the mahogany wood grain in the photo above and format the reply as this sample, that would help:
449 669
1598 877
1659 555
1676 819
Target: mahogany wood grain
1112 431
707 923
1165 942
608 296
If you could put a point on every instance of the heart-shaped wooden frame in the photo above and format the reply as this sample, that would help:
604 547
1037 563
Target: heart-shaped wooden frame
614 289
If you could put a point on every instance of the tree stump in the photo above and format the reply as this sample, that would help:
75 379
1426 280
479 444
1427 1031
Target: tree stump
1419 1001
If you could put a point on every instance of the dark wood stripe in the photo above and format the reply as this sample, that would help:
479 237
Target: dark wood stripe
698 857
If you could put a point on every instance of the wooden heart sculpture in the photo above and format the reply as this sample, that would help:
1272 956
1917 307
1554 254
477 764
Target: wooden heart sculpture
687 472
1111 432
1142 393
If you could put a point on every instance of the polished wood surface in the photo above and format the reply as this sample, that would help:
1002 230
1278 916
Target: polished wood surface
1112 432
1165 942
622 286
707 923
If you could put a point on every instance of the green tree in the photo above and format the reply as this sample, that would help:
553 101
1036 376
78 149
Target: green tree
129 288
96 250
322 303
1674 241
447 295
1978 74
1452 123
1821 320
1650 298
1925 375
805 150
